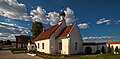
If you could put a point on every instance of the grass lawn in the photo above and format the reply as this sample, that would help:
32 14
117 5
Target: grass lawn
96 56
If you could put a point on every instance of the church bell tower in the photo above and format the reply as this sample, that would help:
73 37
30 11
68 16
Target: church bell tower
62 16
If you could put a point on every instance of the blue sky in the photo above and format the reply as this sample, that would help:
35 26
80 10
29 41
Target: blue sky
98 20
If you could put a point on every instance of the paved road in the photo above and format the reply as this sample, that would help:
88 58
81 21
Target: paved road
25 56
7 54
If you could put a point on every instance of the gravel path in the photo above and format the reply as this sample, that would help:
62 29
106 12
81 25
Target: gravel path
7 54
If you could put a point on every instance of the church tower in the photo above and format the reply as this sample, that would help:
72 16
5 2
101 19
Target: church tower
62 18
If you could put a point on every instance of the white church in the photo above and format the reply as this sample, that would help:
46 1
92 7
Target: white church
64 39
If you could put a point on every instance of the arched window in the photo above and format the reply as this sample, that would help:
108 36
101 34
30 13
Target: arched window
42 45
103 50
32 47
60 46
88 50
38 45
75 45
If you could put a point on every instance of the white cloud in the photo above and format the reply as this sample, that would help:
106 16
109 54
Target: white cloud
7 36
54 17
14 10
98 38
84 25
103 20
39 15
69 15
118 21
8 30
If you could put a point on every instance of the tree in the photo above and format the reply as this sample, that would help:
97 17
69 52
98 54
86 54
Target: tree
116 50
1 42
8 42
103 50
109 49
37 28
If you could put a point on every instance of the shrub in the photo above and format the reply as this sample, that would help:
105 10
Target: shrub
18 50
98 52
32 51
116 50
103 50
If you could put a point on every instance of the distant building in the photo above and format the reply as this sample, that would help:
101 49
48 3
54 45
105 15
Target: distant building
22 41
92 47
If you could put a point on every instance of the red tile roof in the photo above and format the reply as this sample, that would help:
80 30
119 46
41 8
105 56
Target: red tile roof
65 31
46 34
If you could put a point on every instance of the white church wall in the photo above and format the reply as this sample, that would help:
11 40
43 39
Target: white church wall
54 35
75 37
65 46
46 46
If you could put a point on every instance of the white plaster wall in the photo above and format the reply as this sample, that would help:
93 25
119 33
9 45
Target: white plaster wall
93 47
65 46
46 46
54 35
52 44
75 36
29 46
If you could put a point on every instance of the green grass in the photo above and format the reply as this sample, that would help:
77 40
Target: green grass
95 56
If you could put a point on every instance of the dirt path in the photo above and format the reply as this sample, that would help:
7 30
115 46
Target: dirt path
7 54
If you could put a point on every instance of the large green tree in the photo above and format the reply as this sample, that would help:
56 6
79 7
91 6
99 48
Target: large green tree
37 28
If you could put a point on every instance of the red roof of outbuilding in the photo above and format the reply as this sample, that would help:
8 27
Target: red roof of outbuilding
93 43
46 33
109 43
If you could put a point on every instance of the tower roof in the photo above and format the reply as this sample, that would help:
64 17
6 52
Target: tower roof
62 13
